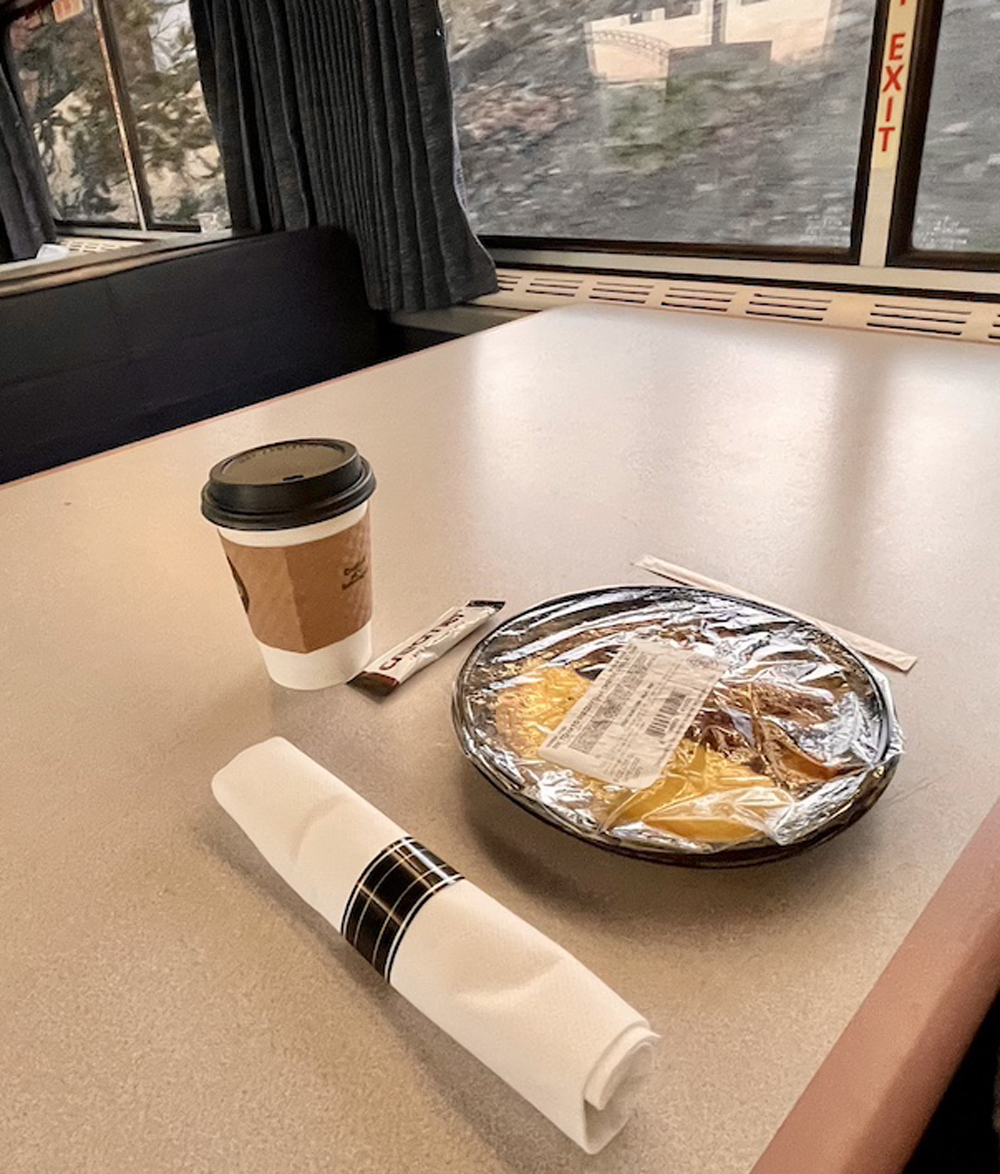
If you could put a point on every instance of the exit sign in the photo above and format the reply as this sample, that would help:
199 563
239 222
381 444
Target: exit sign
892 89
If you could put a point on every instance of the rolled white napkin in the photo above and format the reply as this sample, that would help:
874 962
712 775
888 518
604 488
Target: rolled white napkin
518 1002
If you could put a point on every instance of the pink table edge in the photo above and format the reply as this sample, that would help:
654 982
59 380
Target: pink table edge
868 1104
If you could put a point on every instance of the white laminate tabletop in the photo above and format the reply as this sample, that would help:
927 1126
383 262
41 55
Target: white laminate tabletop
168 1005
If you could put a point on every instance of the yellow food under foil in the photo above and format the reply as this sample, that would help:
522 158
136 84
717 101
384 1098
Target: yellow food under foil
701 795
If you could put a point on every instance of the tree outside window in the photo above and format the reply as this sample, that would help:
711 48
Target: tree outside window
115 99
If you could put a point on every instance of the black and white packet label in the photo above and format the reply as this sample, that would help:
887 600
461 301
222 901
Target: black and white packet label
628 724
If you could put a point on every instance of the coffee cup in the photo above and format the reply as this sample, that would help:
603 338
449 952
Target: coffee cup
294 522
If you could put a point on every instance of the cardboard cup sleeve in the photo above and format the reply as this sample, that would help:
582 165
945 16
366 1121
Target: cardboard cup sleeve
303 597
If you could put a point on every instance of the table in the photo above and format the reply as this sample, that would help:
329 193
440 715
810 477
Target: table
168 1004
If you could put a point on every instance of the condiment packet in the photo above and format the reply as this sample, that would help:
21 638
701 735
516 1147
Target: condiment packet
392 668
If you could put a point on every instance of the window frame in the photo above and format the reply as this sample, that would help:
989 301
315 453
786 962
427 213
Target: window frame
850 255
880 257
901 250
121 101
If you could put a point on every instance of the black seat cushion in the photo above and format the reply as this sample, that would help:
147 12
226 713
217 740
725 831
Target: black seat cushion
96 357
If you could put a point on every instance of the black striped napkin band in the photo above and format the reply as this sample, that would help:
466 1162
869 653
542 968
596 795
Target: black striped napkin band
388 895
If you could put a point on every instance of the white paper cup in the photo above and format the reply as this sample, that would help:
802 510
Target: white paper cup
294 523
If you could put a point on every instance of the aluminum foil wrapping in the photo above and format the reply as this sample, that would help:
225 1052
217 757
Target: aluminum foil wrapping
795 742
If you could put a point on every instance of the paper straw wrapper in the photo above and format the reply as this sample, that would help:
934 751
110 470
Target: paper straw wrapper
904 661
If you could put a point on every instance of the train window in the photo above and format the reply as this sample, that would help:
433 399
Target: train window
957 207
113 94
702 122
176 148
72 110
751 138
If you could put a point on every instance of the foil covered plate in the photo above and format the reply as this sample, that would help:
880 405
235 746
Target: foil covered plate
794 743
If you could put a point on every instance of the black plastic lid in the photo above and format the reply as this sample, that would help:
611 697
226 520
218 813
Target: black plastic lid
291 483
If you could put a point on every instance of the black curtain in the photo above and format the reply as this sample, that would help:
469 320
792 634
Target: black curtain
25 216
339 112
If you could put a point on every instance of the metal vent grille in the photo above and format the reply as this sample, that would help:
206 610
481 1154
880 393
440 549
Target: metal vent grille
790 307
949 321
537 290
694 297
554 287
627 293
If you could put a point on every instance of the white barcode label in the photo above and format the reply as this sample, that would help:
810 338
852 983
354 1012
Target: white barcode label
628 724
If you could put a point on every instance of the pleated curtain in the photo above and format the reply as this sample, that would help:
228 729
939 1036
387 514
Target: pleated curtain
339 112
25 214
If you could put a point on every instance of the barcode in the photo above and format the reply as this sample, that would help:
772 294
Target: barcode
614 703
667 711
590 735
